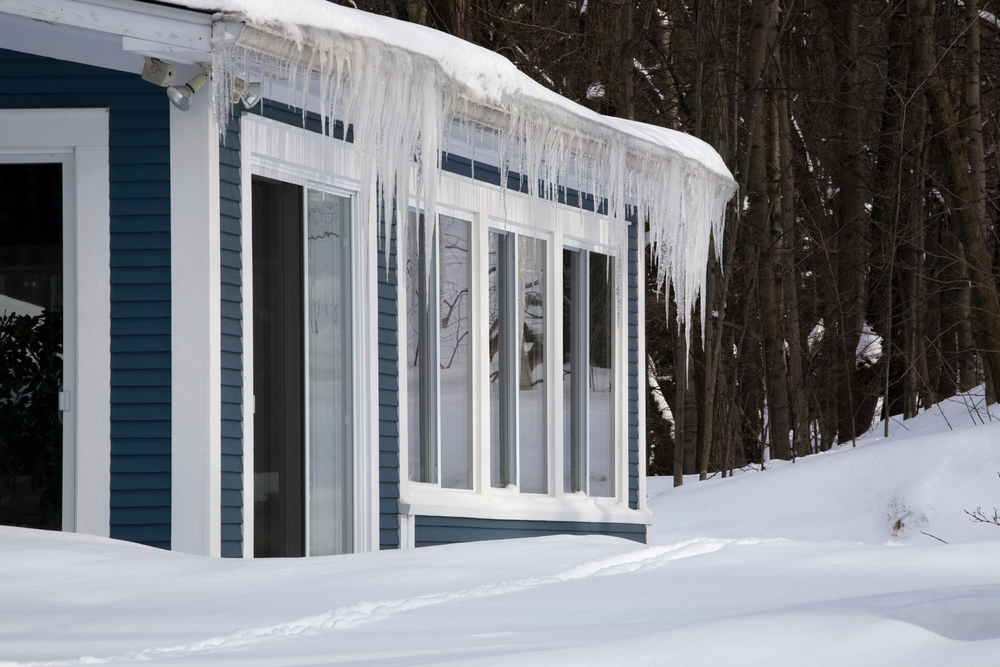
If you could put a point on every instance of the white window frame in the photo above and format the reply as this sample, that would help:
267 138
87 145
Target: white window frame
78 138
435 366
561 226
293 155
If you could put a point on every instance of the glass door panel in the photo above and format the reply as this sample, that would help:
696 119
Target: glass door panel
31 344
331 405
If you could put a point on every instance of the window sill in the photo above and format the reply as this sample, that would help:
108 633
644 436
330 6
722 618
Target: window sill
431 500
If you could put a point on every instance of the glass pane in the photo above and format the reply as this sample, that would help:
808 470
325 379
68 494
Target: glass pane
567 385
601 398
331 460
493 281
279 339
455 396
531 378
414 310
31 302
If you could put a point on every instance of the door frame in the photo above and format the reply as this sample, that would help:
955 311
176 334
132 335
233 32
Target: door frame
78 138
285 153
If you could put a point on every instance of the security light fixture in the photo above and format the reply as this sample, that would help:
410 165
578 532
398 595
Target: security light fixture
252 94
156 71
180 96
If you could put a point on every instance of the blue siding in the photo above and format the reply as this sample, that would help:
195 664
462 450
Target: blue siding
633 366
388 391
433 530
231 262
140 273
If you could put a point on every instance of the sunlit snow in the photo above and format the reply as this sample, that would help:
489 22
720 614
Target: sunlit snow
836 559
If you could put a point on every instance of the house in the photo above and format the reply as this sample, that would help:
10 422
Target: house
325 282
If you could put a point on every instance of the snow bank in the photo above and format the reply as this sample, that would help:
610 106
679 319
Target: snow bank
898 490
401 85
804 589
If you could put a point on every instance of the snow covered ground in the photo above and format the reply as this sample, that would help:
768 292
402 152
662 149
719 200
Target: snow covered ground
826 561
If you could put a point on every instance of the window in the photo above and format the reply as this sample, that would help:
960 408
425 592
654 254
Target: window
588 373
516 278
438 360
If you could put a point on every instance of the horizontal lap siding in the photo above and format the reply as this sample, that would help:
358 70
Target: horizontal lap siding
139 152
434 530
232 341
633 367
388 391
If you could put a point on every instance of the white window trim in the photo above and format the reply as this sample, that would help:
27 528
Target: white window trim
559 226
293 155
79 139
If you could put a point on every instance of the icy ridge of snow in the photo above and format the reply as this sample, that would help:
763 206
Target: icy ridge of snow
401 85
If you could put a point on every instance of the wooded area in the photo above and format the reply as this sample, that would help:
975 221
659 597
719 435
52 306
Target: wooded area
859 271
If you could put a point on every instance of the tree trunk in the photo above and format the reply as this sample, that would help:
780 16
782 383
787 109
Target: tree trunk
960 181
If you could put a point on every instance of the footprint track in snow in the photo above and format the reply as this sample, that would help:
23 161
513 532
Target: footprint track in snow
360 612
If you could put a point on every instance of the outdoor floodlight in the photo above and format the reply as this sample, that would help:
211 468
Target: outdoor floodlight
180 96
252 94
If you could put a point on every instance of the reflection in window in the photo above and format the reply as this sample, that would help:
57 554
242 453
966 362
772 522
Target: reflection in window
421 429
588 373
331 461
531 362
516 283
438 372
600 402
502 360
455 380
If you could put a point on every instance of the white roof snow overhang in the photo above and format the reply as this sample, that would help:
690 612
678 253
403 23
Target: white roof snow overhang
406 82
402 84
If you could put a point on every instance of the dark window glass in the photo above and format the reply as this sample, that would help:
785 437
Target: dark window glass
31 334
278 383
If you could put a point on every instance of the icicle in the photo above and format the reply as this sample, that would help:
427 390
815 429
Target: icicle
406 107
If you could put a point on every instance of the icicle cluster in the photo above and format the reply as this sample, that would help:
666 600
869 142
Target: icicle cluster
404 104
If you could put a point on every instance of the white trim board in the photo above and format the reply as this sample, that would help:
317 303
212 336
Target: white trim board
196 331
80 136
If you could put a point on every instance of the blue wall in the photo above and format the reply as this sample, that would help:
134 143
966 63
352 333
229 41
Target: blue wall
388 398
633 367
432 530
140 273
232 341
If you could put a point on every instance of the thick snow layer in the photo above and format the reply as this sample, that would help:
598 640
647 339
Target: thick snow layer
795 565
402 85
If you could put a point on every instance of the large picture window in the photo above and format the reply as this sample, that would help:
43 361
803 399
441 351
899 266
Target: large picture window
588 373
438 360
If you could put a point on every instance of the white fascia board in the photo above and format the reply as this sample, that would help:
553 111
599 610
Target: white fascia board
431 500
154 23
109 34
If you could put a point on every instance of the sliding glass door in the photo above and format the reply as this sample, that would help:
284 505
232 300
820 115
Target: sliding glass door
303 371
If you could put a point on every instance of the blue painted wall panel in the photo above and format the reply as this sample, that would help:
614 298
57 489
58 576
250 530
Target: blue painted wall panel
230 223
434 530
139 184
633 366
388 392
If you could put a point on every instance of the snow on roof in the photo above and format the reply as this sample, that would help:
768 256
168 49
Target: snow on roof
405 82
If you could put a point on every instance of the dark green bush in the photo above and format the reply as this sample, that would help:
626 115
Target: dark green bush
30 421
